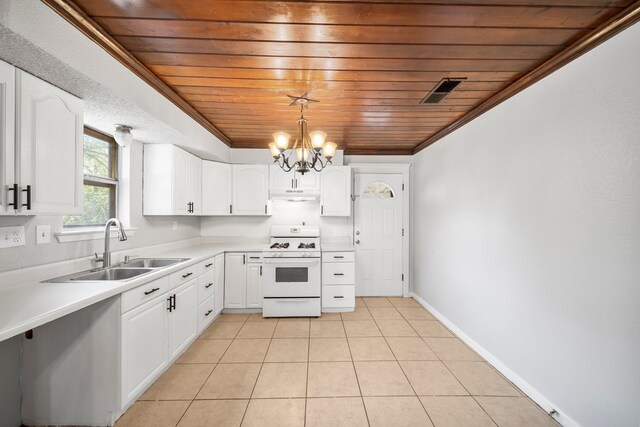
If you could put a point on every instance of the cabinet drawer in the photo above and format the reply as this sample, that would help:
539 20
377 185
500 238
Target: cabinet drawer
291 307
253 257
338 257
338 273
338 296
206 314
206 265
138 296
205 285
183 276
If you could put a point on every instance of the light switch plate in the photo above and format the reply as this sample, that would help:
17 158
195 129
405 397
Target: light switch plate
43 234
11 236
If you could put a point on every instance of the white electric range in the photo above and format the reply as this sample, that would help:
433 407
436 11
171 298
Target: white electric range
292 276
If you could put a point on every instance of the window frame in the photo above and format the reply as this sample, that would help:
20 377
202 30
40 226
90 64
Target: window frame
99 181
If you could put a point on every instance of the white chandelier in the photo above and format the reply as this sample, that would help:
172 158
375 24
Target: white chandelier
308 149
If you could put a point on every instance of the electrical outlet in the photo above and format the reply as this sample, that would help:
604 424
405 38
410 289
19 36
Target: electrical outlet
175 225
11 236
43 234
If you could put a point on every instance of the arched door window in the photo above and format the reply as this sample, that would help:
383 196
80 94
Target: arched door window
377 190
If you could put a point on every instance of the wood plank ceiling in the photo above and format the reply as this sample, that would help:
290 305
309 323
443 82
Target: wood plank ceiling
368 62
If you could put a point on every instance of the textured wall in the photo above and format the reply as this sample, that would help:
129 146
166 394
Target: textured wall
150 230
527 233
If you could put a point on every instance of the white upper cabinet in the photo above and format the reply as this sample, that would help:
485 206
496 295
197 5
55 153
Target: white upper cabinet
281 182
308 183
7 137
250 190
335 197
172 181
216 188
50 132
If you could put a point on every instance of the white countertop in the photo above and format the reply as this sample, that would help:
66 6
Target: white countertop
337 247
32 304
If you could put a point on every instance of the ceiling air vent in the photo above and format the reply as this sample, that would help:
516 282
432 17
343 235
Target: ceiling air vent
442 90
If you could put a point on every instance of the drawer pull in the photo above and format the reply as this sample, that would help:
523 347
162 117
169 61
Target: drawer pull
208 286
254 257
208 312
151 291
338 274
208 265
184 276
338 296
338 257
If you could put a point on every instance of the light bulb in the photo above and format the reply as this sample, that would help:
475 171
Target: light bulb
317 139
329 149
281 140
300 152
275 151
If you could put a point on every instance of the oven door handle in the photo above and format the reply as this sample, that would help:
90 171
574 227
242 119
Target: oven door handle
285 261
291 299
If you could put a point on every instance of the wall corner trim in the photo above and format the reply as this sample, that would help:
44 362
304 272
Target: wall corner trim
523 385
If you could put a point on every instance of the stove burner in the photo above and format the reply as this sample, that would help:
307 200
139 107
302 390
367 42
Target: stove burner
307 246
279 246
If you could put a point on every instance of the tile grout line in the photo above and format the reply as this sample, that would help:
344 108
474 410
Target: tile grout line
401 368
353 364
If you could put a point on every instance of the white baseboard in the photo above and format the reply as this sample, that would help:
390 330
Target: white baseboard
529 390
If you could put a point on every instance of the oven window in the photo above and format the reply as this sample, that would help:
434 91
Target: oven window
292 274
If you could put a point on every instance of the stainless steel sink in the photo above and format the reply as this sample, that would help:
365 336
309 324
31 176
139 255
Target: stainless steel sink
112 274
151 262
121 272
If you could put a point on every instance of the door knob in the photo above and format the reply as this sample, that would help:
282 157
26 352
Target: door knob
357 242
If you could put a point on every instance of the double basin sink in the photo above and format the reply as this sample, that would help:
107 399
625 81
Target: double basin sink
120 272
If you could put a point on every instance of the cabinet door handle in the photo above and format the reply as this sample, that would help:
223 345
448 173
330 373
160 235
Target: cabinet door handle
265 209
208 312
170 299
321 209
296 180
338 257
338 296
261 270
151 291
14 188
338 274
230 209
28 204
254 257
292 184
208 265
208 286
174 301
244 259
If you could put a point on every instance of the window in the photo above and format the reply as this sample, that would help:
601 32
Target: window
377 190
100 180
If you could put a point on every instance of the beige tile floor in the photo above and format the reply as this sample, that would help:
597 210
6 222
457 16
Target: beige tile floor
389 363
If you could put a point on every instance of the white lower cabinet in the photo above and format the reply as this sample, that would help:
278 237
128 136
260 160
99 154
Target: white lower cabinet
235 280
218 300
254 285
338 281
145 348
182 318
154 333
243 280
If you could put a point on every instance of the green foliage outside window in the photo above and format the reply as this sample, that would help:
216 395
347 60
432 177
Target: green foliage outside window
100 181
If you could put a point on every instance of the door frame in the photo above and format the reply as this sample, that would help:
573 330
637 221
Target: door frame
404 169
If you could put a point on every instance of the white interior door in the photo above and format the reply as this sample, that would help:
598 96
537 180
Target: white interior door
378 234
